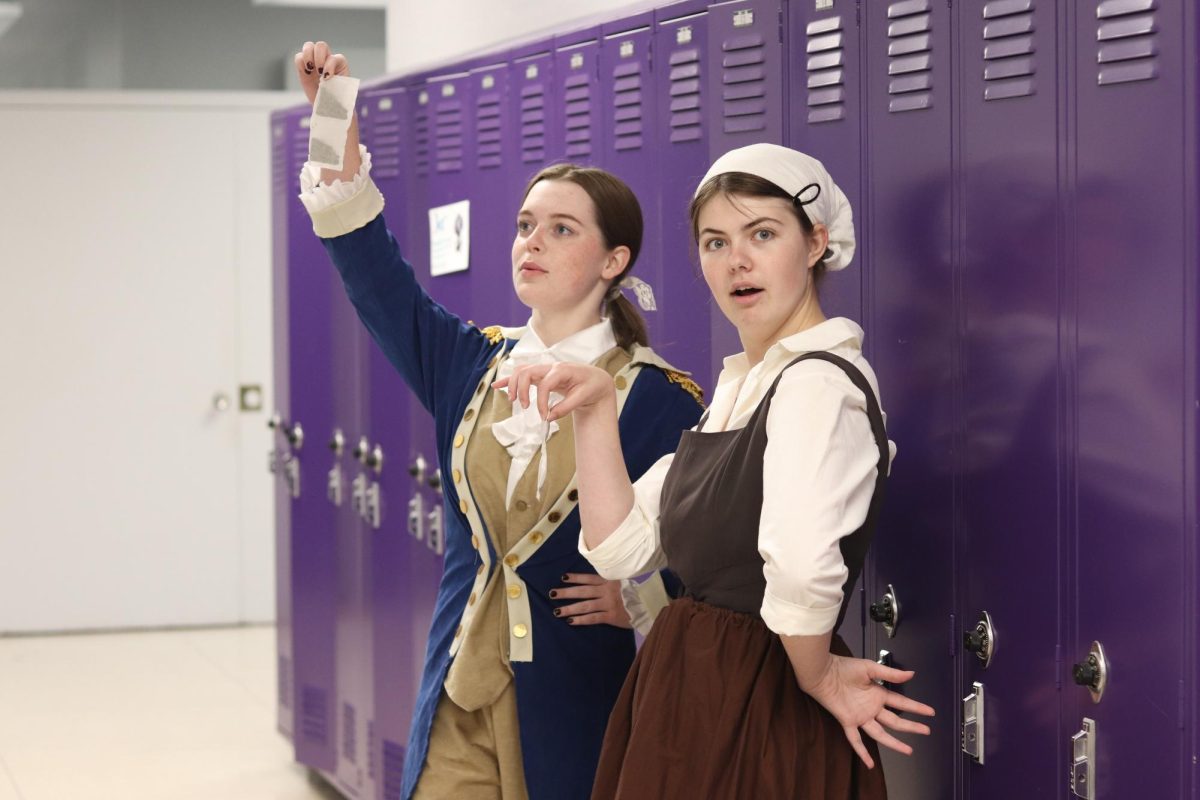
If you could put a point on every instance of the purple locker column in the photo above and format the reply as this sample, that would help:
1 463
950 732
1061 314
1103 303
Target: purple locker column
313 547
576 131
825 120
452 143
747 83
824 57
629 115
530 85
905 217
282 177
1010 274
1134 260
395 667
680 143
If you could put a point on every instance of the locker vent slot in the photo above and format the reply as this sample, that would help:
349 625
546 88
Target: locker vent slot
489 148
393 769
448 135
533 122
627 106
685 81
421 135
743 83
285 682
824 70
1009 58
1126 41
279 180
910 60
386 138
349 733
578 114
314 715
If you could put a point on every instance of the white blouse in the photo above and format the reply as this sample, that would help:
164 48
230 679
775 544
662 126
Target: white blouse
819 473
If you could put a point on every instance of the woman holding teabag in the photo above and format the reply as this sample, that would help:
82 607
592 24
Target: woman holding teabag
765 511
528 647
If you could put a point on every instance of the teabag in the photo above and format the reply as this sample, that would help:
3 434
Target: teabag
332 111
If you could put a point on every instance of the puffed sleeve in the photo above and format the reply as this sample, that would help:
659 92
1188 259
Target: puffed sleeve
634 548
819 473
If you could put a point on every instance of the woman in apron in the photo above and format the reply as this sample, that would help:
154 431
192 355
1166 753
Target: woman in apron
528 647
765 511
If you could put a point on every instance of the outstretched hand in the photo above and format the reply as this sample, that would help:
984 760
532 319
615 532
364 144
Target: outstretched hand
849 691
580 386
314 63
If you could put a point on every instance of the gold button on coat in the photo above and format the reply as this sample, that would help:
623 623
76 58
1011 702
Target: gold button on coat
471 599
480 387
535 537
469 415
619 382
475 544
521 505
520 630
479 570
554 517
458 440
512 560
457 476
514 591
462 506
573 495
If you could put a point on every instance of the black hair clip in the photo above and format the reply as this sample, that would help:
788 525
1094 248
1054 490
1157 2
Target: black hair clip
800 197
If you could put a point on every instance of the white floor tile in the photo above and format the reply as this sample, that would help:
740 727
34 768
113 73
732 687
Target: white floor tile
178 715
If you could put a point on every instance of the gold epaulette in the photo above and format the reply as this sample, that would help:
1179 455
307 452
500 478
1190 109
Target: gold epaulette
493 333
689 385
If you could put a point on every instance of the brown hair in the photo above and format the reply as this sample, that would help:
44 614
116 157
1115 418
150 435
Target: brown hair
619 216
743 183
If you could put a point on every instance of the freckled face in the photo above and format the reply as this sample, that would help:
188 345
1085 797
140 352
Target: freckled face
558 255
758 262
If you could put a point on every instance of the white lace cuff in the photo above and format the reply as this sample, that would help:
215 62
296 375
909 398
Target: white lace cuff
318 196
343 206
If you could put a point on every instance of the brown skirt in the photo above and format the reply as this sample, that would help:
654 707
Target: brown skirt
711 711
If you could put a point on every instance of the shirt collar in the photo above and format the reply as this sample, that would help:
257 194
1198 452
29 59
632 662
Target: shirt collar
582 347
827 335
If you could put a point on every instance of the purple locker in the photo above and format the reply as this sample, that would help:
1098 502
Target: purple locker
680 147
628 114
576 133
313 546
283 172
1010 231
824 51
905 216
531 87
1132 293
746 81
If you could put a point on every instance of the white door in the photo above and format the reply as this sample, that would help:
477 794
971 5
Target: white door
133 492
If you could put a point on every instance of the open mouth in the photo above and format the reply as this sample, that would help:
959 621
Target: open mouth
746 291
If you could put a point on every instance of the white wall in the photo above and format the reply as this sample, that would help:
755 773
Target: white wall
422 34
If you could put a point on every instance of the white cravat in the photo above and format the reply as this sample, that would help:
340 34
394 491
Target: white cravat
525 432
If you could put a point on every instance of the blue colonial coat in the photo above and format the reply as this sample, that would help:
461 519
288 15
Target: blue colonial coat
567 678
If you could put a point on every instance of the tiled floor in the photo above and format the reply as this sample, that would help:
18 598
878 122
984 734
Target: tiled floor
174 715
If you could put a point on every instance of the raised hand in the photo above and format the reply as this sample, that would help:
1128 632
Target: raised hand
315 63
579 385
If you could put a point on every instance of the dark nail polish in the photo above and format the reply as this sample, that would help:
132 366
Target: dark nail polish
310 66
308 70
558 612
321 70
553 594
570 620
565 577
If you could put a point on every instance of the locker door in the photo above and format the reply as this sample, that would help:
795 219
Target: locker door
680 141
577 131
531 86
746 79
395 632
283 172
1008 183
905 219
497 182
629 112
825 118
1134 256
344 463
314 545
452 143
